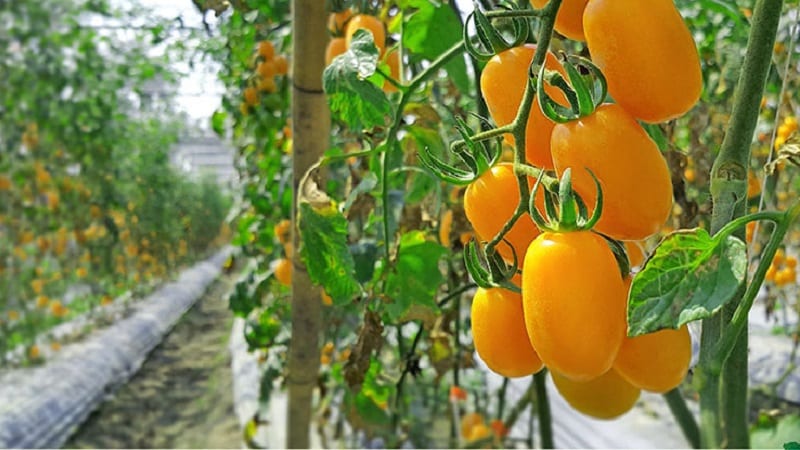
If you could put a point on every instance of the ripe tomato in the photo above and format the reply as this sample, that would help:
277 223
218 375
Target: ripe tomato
283 271
336 47
266 69
491 200
281 65
569 20
251 96
636 255
503 83
656 362
266 50
337 21
369 23
469 422
498 330
605 397
637 189
650 59
574 302
392 59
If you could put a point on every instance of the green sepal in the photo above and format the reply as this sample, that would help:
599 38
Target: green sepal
489 37
620 254
489 271
572 214
584 92
477 156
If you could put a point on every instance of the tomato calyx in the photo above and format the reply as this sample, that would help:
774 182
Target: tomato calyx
585 89
477 156
488 268
490 37
620 254
570 214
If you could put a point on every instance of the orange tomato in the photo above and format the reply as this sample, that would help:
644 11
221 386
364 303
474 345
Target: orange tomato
281 65
488 204
605 397
392 59
336 47
251 96
636 183
498 330
574 301
369 23
266 50
503 83
283 271
266 69
282 230
656 362
647 55
636 255
469 422
569 20
337 21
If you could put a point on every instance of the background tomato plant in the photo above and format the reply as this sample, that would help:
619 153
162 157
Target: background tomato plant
90 205
381 234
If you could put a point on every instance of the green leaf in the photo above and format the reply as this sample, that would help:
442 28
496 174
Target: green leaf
352 97
371 402
218 122
657 135
776 435
690 277
325 252
432 30
416 277
262 332
242 300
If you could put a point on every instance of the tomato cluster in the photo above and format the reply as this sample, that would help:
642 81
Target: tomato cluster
571 314
269 65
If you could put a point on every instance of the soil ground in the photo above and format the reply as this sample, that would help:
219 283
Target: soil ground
182 396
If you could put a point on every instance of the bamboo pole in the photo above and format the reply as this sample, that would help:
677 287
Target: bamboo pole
311 131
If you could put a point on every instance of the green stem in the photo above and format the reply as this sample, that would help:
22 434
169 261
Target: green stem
543 410
437 64
520 123
738 323
483 136
520 405
685 419
512 14
501 398
728 189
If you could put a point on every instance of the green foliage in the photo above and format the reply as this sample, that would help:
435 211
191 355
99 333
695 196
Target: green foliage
776 433
416 276
690 276
352 96
85 136
430 31
325 252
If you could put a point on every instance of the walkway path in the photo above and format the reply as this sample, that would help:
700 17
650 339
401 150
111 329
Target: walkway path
182 396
